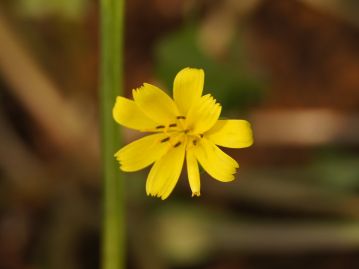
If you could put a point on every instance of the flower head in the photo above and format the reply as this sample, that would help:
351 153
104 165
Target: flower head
185 128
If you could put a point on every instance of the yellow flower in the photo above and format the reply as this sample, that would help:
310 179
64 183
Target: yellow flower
185 128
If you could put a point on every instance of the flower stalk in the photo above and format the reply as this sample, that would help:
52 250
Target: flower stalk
111 84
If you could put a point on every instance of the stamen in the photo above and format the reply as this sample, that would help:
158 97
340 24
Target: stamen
194 142
177 144
181 117
201 135
172 125
165 139
160 127
186 131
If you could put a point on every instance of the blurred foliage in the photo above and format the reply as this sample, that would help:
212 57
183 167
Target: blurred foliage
230 81
69 9
337 169
183 230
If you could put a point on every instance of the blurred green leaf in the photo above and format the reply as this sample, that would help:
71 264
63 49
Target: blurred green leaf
229 81
337 170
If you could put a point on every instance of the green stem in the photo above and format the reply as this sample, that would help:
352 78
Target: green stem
113 240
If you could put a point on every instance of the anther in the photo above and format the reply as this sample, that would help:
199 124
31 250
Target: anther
181 117
194 142
177 144
201 135
172 125
186 131
165 139
160 127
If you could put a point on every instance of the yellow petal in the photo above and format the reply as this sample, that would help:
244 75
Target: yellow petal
231 133
155 103
187 88
142 152
203 114
193 173
165 173
127 113
216 163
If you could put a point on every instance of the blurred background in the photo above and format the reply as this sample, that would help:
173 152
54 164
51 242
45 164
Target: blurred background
290 67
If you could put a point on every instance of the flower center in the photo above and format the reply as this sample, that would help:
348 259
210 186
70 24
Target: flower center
179 133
